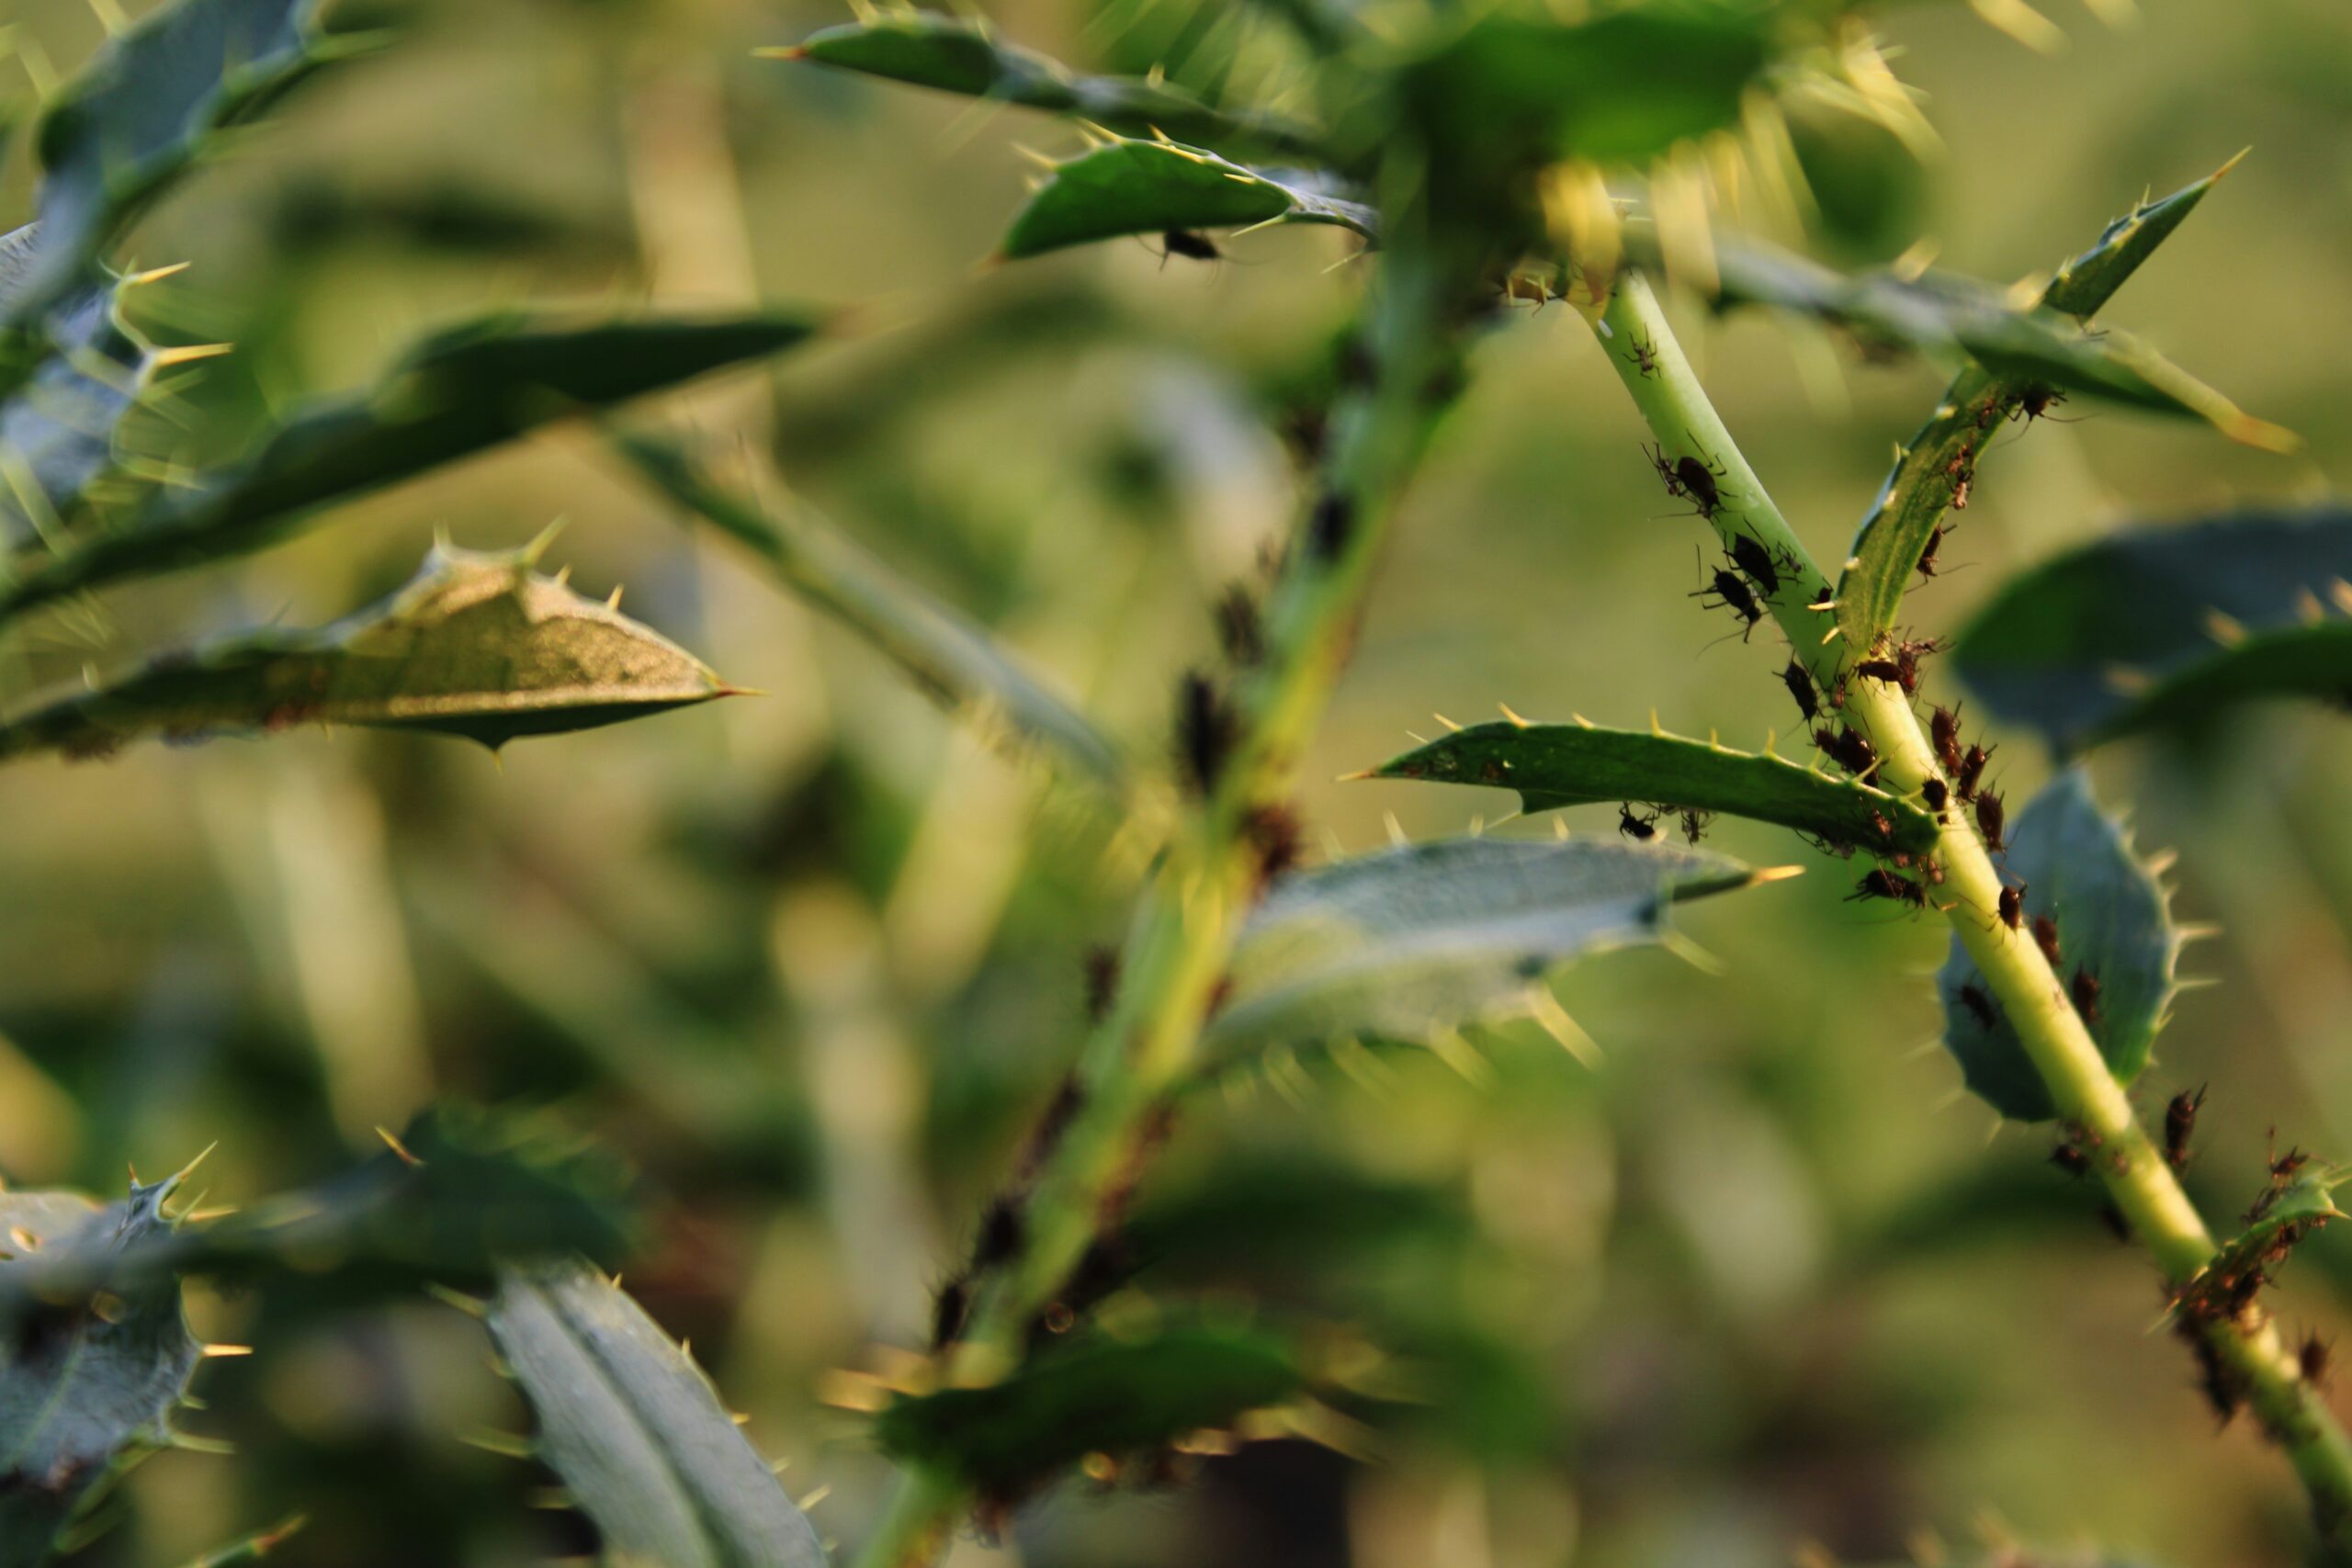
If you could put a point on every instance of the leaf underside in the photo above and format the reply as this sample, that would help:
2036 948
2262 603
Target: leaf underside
1126 187
637 1432
1555 765
476 645
1420 940
2157 628
2114 923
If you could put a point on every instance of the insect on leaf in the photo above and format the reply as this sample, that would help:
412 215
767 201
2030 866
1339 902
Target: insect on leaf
1420 940
2114 924
2158 628
637 1432
88 1381
453 394
1554 765
1152 187
953 54
476 645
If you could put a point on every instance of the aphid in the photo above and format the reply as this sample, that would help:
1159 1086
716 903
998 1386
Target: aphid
2284 1166
1933 869
1937 794
2312 1358
1756 561
1971 768
1730 591
1991 817
1688 479
1885 669
2037 400
2012 906
1907 655
1000 1235
1273 832
1102 981
1204 730
1926 565
1328 529
1646 355
1848 751
947 1309
1800 685
2180 1125
1884 884
2045 937
1640 830
1190 244
1972 997
2223 1388
2071 1159
1047 1135
2084 990
1695 823
1943 728
1959 488
1239 632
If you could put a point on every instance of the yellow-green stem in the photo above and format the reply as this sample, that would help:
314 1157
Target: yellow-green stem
2086 1093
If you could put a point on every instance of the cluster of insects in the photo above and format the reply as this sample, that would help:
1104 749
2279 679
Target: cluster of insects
1642 826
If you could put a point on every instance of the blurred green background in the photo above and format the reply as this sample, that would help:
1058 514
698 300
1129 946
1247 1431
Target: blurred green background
813 959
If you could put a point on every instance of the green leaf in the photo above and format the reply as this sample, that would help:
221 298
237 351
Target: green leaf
1948 316
2114 923
147 107
1098 1394
253 1548
2299 1200
637 1432
452 395
1924 482
476 645
954 659
956 55
1552 765
58 430
1148 187
86 1385
2162 627
1420 940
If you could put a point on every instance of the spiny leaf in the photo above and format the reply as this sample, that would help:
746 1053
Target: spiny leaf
1946 315
144 111
637 1432
2114 924
1420 940
1925 480
453 394
463 1194
58 430
87 1381
1552 765
956 55
2159 627
2298 1202
1098 1395
1149 187
476 645
954 659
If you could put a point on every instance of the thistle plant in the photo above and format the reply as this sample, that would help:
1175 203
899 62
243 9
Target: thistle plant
1480 164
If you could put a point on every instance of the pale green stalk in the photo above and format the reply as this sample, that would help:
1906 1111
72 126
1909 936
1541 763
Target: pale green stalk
1182 935
2032 995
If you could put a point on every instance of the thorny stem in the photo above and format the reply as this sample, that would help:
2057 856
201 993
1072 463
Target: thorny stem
2086 1093
1182 934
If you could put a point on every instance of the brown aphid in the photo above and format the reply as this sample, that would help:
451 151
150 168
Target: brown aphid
1848 751
1204 732
1937 794
1645 355
1002 1233
1943 728
1238 631
1190 244
1885 669
2045 937
2070 1158
1959 488
1926 565
1990 820
2012 906
1972 997
2084 989
2284 1166
1884 884
1102 981
1274 833
2180 1125
1695 823
947 1312
1970 770
1800 685
2314 1358
2037 400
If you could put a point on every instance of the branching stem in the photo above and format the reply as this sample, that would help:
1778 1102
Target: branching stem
2142 1184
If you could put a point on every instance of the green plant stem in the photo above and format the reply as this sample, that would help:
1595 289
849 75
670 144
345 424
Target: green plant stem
1182 934
2142 1185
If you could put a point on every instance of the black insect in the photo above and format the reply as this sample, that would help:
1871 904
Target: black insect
1971 770
1190 244
1972 997
2313 1358
1204 730
2012 906
1729 591
1848 751
1991 817
2045 937
1695 823
1885 669
1001 1233
1937 794
1331 526
1640 830
947 1312
1800 685
1885 884
1907 655
2180 1126
2084 990
1943 727
2037 400
1689 478
1753 558
2070 1158
1102 981
1927 562
1238 631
